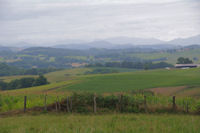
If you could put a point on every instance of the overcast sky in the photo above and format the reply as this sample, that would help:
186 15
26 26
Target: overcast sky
49 21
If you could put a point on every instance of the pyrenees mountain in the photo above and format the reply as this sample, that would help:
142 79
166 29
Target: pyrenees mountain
186 41
134 41
127 42
110 43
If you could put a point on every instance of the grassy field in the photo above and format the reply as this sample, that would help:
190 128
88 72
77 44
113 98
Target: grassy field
76 80
136 80
126 80
182 83
107 123
10 78
67 74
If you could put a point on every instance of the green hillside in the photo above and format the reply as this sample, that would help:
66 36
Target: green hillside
182 83
136 80
118 82
40 57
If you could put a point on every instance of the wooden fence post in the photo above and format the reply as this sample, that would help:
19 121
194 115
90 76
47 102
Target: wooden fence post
95 104
145 104
45 102
58 103
120 98
71 104
174 103
25 98
68 109
187 107
120 108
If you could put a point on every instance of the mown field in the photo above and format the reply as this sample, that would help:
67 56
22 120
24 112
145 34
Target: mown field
140 80
107 123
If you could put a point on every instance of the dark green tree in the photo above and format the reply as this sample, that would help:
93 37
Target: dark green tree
41 80
26 82
182 60
15 84
3 85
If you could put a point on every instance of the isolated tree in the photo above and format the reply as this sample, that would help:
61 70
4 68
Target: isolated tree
182 60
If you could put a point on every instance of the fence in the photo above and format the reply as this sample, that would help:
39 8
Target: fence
87 102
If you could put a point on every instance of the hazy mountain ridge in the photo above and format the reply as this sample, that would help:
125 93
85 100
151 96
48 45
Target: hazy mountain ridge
126 42
10 49
2 48
186 41
114 43
134 41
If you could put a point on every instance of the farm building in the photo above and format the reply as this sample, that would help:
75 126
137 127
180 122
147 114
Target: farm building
187 65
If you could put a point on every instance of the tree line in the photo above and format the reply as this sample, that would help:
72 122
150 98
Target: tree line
23 83
134 65
7 70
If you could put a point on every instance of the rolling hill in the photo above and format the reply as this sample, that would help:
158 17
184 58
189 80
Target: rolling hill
76 80
46 57
181 83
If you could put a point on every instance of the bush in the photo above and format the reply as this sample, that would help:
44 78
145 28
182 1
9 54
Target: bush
83 102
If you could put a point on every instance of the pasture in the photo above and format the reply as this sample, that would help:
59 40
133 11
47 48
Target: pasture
139 80
164 83
178 82
105 123
76 80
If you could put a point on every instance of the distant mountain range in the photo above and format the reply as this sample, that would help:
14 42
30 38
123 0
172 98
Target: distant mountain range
152 41
186 41
2 48
126 42
116 43
134 41
10 49
107 45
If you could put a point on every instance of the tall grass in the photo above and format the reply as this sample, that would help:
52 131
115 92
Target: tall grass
112 123
8 103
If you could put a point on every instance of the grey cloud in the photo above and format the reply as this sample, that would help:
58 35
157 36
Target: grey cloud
43 22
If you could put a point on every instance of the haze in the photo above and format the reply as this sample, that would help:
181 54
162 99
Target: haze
52 21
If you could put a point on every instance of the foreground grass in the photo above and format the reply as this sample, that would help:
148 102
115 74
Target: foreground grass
115 123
